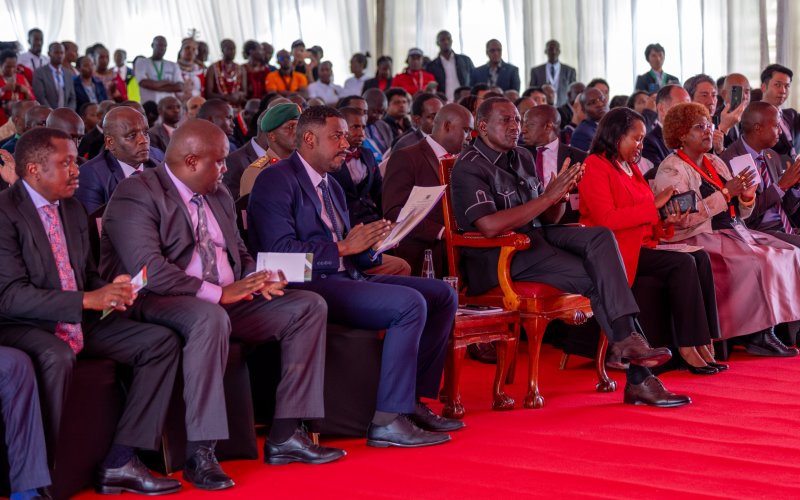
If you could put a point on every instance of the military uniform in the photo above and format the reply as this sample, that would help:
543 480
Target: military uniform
251 172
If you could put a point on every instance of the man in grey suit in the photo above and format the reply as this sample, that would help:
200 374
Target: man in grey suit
177 221
560 76
51 85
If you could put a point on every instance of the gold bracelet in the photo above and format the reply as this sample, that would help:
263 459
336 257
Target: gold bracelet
747 203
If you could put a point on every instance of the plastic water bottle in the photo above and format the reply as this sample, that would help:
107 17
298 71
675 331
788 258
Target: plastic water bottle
427 266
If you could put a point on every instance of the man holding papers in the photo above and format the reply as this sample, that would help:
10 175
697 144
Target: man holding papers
177 221
296 207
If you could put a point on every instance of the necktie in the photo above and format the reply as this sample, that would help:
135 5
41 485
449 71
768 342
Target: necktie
331 213
540 163
786 133
553 72
764 171
60 87
71 333
205 245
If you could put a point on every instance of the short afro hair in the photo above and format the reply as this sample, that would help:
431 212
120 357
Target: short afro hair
679 121
35 146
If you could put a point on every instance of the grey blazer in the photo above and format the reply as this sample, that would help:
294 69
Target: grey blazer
44 87
566 77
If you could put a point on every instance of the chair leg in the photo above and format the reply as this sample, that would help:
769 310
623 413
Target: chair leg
455 359
604 384
535 328
513 348
500 400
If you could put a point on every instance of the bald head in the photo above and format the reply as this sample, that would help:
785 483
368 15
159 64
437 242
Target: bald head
36 117
193 105
196 155
757 113
452 127
540 125
732 80
113 120
67 120
218 112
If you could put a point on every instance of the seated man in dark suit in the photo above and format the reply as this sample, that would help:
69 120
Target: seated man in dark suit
496 189
50 308
295 206
418 165
127 152
423 111
496 72
67 120
94 142
22 418
169 109
776 80
177 221
35 116
540 130
239 160
220 113
656 78
654 148
594 104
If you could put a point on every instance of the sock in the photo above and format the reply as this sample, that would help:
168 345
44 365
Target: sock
193 446
118 456
622 327
636 374
282 429
383 418
25 495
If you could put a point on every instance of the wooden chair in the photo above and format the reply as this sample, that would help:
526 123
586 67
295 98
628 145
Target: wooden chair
537 303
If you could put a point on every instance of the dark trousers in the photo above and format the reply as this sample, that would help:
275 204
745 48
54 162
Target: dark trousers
19 401
151 350
418 316
584 261
689 282
296 320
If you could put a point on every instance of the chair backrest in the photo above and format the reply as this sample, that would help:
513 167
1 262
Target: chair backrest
450 226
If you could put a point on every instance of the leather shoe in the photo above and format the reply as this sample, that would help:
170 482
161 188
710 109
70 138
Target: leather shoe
299 448
402 433
424 418
765 343
653 393
635 349
203 471
483 352
135 478
702 370
45 493
721 367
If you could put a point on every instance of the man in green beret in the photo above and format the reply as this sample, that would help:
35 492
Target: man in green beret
276 129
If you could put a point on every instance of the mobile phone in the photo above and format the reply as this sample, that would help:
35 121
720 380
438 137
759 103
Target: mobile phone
737 93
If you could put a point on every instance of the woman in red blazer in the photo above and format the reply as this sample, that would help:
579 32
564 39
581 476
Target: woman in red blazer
614 194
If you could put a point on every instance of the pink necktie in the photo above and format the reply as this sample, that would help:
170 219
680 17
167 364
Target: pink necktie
70 333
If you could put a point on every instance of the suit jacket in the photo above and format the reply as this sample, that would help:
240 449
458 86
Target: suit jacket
80 93
363 199
648 83
507 76
464 68
147 223
788 145
583 135
99 178
30 289
415 165
654 148
237 162
411 137
381 134
575 155
285 215
46 90
566 77
92 144
159 137
767 198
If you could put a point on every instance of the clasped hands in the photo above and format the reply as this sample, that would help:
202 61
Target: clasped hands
560 185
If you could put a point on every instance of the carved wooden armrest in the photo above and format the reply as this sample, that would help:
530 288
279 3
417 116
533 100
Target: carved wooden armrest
477 240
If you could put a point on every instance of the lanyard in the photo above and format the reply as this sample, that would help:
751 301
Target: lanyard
711 176
159 71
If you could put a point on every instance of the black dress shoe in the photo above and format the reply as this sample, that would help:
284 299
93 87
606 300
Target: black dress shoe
483 352
721 367
424 418
45 493
765 343
653 393
635 349
701 370
299 448
203 471
135 478
404 434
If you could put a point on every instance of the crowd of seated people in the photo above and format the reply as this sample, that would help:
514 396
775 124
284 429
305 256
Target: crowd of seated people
163 151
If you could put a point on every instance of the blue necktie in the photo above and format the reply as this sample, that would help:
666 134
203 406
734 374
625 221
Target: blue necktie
328 205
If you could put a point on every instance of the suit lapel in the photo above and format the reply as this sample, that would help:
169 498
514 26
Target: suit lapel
305 183
430 157
36 229
171 192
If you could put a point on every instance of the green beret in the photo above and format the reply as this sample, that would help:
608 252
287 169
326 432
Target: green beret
278 115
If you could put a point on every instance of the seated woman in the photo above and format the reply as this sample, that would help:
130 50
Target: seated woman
614 194
755 274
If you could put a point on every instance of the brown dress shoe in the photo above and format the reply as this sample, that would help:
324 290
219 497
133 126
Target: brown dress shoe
653 393
635 349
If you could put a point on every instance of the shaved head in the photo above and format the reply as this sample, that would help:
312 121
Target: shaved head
36 117
67 120
543 113
452 127
113 119
756 113
448 113
196 155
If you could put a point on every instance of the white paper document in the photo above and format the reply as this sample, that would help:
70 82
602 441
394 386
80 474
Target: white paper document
420 202
678 247
742 163
295 266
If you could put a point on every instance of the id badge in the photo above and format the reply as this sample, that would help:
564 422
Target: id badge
743 232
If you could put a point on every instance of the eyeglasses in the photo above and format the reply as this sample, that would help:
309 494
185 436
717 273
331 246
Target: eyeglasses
703 126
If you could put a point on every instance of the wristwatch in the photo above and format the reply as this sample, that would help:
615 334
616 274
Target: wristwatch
726 194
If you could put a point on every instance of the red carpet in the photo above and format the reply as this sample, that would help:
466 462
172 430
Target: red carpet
738 439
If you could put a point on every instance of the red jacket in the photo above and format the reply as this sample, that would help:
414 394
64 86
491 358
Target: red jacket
625 205
413 81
